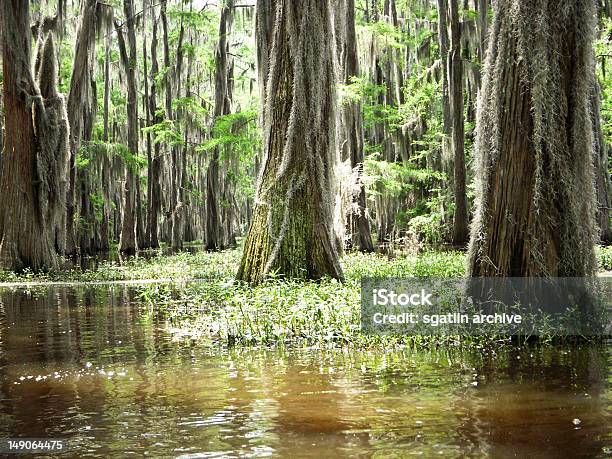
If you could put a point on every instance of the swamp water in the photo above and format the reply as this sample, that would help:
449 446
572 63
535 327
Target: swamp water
89 365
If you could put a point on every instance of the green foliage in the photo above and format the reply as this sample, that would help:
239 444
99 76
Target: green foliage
97 202
232 130
393 178
165 132
279 311
237 134
90 150
385 32
604 257
429 218
65 66
603 56
286 311
360 88
422 98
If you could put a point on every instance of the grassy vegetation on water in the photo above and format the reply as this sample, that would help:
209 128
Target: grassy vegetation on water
218 309
326 312
180 267
187 266
285 311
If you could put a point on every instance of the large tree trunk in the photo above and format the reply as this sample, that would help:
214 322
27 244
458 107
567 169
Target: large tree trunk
127 242
214 231
535 199
455 87
33 181
292 232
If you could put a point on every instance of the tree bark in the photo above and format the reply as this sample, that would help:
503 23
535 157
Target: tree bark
291 233
535 196
145 106
177 215
352 140
265 14
127 241
82 105
35 153
483 27
155 164
214 230
455 86
602 174
107 84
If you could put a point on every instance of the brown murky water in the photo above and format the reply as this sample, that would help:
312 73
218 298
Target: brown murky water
90 366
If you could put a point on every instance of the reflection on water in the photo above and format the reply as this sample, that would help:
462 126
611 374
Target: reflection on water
90 365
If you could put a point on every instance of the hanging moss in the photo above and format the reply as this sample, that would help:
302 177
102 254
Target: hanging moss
292 229
34 170
535 203
52 133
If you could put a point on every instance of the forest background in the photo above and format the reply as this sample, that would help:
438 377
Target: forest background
158 116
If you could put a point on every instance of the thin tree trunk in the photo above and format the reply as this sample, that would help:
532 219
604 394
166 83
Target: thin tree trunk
171 195
107 85
483 27
178 169
444 47
127 241
214 230
602 175
145 7
265 14
155 167
352 129
455 86
82 105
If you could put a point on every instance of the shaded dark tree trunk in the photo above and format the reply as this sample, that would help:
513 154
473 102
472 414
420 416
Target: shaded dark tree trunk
170 195
483 27
178 210
455 87
146 100
292 232
1 129
264 25
535 199
107 87
82 105
35 157
127 241
215 239
155 163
